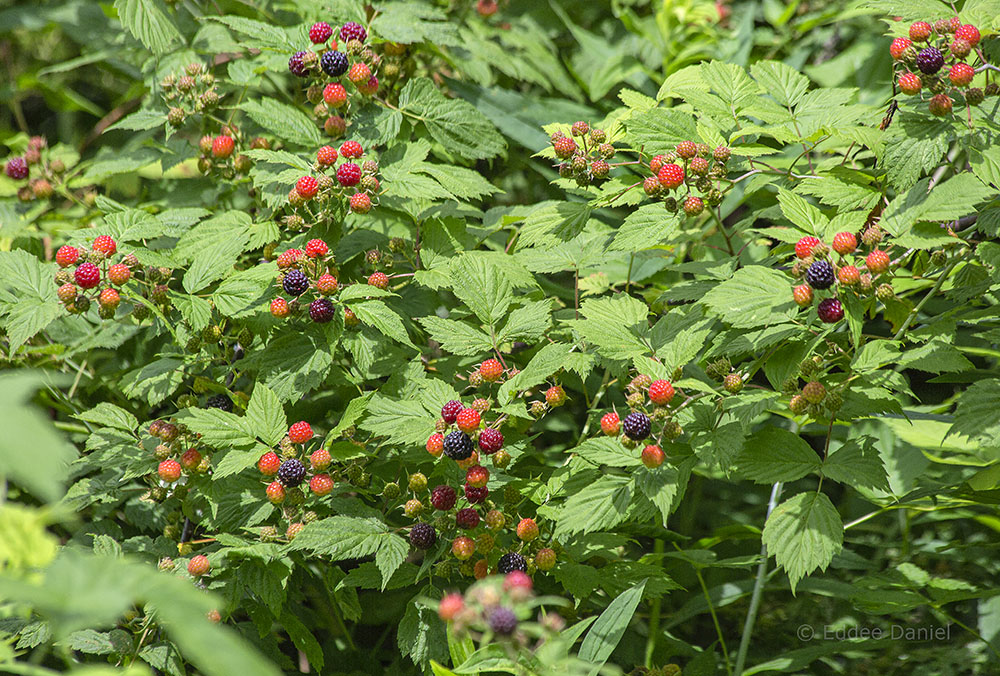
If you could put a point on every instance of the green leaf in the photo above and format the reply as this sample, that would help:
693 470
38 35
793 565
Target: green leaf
661 486
528 322
947 201
293 364
402 422
140 120
239 292
266 416
730 82
457 337
553 223
784 83
454 123
659 130
775 454
377 314
262 34
546 361
935 356
483 286
978 410
155 381
802 213
803 533
648 226
753 296
614 325
303 639
601 505
858 464
28 301
283 120
109 415
344 537
605 634
607 451
219 428
147 24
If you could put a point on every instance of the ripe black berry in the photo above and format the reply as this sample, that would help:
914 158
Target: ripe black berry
636 426
295 283
221 402
503 621
296 65
321 310
930 60
457 445
291 473
423 536
820 275
512 561
334 63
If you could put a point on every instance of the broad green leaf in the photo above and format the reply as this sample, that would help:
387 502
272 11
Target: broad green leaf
803 533
483 286
266 416
554 223
775 454
109 415
344 537
147 23
801 213
978 410
283 120
605 634
528 322
753 296
659 130
457 337
454 123
781 81
646 227
946 201
614 326
377 314
599 506
28 301
219 428
858 464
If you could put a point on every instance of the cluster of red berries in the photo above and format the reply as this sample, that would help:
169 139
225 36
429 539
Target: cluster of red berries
327 67
219 153
95 277
188 92
584 154
178 454
690 166
18 168
492 608
638 424
305 271
822 273
935 59
469 433
352 179
490 371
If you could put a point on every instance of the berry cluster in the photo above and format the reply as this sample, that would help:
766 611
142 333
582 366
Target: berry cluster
328 66
469 432
584 154
343 178
176 450
307 278
96 277
638 424
689 167
813 398
817 267
934 58
188 92
219 153
491 608
50 170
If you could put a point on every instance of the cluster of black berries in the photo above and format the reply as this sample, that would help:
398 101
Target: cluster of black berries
333 61
584 154
935 56
188 92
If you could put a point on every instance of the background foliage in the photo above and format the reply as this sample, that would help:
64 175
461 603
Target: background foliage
874 512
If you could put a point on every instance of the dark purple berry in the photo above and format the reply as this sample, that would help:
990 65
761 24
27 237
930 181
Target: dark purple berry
930 60
636 426
334 63
467 518
296 65
476 494
353 31
830 310
321 310
295 283
458 445
503 621
17 168
423 536
291 473
449 412
221 402
490 440
443 498
820 275
511 561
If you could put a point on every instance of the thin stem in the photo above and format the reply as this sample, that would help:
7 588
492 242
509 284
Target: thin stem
758 589
654 613
715 620
920 306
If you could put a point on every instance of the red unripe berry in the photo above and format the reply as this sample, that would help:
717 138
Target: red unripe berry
804 247
687 149
326 156
611 424
269 463
468 419
67 255
87 275
320 32
288 258
327 284
845 243
661 392
300 432
223 146
802 295
450 411
320 459
898 48
106 245
527 530
656 163
940 105
361 203
450 606
877 261
920 31
961 74
109 298
671 176
969 33
555 396
910 84
119 273
359 73
191 459
316 248
435 444
307 187
490 440
848 275
564 147
491 370
463 548
351 149
335 95
379 280
477 476
693 205
467 518
275 492
652 456
279 307
348 174
67 293
199 565
169 470
830 310
321 484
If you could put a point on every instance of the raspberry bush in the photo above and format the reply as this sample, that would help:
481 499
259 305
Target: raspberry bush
430 338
